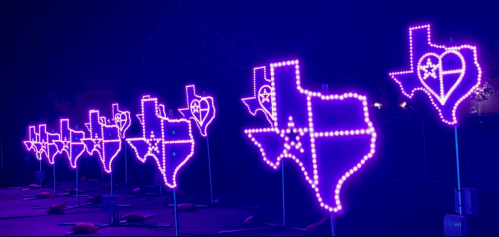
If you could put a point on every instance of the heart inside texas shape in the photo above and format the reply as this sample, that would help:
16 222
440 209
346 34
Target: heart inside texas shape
200 110
120 120
265 98
438 79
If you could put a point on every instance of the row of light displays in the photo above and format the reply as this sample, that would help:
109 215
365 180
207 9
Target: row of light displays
169 141
329 136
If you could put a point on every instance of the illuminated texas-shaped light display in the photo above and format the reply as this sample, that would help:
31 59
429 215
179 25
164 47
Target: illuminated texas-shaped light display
168 141
105 138
447 74
329 136
42 143
201 109
70 143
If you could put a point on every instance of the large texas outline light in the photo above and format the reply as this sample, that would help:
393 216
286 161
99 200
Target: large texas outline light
168 141
461 72
329 136
70 143
104 139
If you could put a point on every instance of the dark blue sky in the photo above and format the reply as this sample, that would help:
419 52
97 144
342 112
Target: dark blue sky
72 47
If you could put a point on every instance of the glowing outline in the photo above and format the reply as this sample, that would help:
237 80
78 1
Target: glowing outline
101 140
45 142
160 114
368 131
267 113
117 119
411 71
63 145
188 115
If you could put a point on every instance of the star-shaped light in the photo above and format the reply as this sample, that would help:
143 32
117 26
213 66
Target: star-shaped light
153 144
292 136
265 96
429 69
195 108
65 144
97 143
44 145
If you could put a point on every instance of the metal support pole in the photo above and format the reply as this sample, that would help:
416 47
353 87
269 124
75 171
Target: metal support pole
209 169
111 183
283 199
331 217
53 167
77 190
126 164
40 170
209 164
175 210
424 150
458 174
457 164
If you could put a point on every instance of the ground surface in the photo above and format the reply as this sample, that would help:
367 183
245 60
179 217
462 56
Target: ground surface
17 217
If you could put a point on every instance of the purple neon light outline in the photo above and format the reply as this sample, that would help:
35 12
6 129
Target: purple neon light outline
39 139
127 114
267 114
442 98
201 125
69 144
453 48
47 143
368 131
162 141
102 140
30 144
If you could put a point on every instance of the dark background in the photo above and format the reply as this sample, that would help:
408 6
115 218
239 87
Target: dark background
61 58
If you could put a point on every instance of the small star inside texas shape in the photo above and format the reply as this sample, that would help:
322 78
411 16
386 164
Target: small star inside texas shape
265 96
97 143
429 69
195 107
153 144
292 136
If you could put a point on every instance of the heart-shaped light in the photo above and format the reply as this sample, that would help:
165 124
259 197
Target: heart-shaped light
265 98
431 70
200 110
